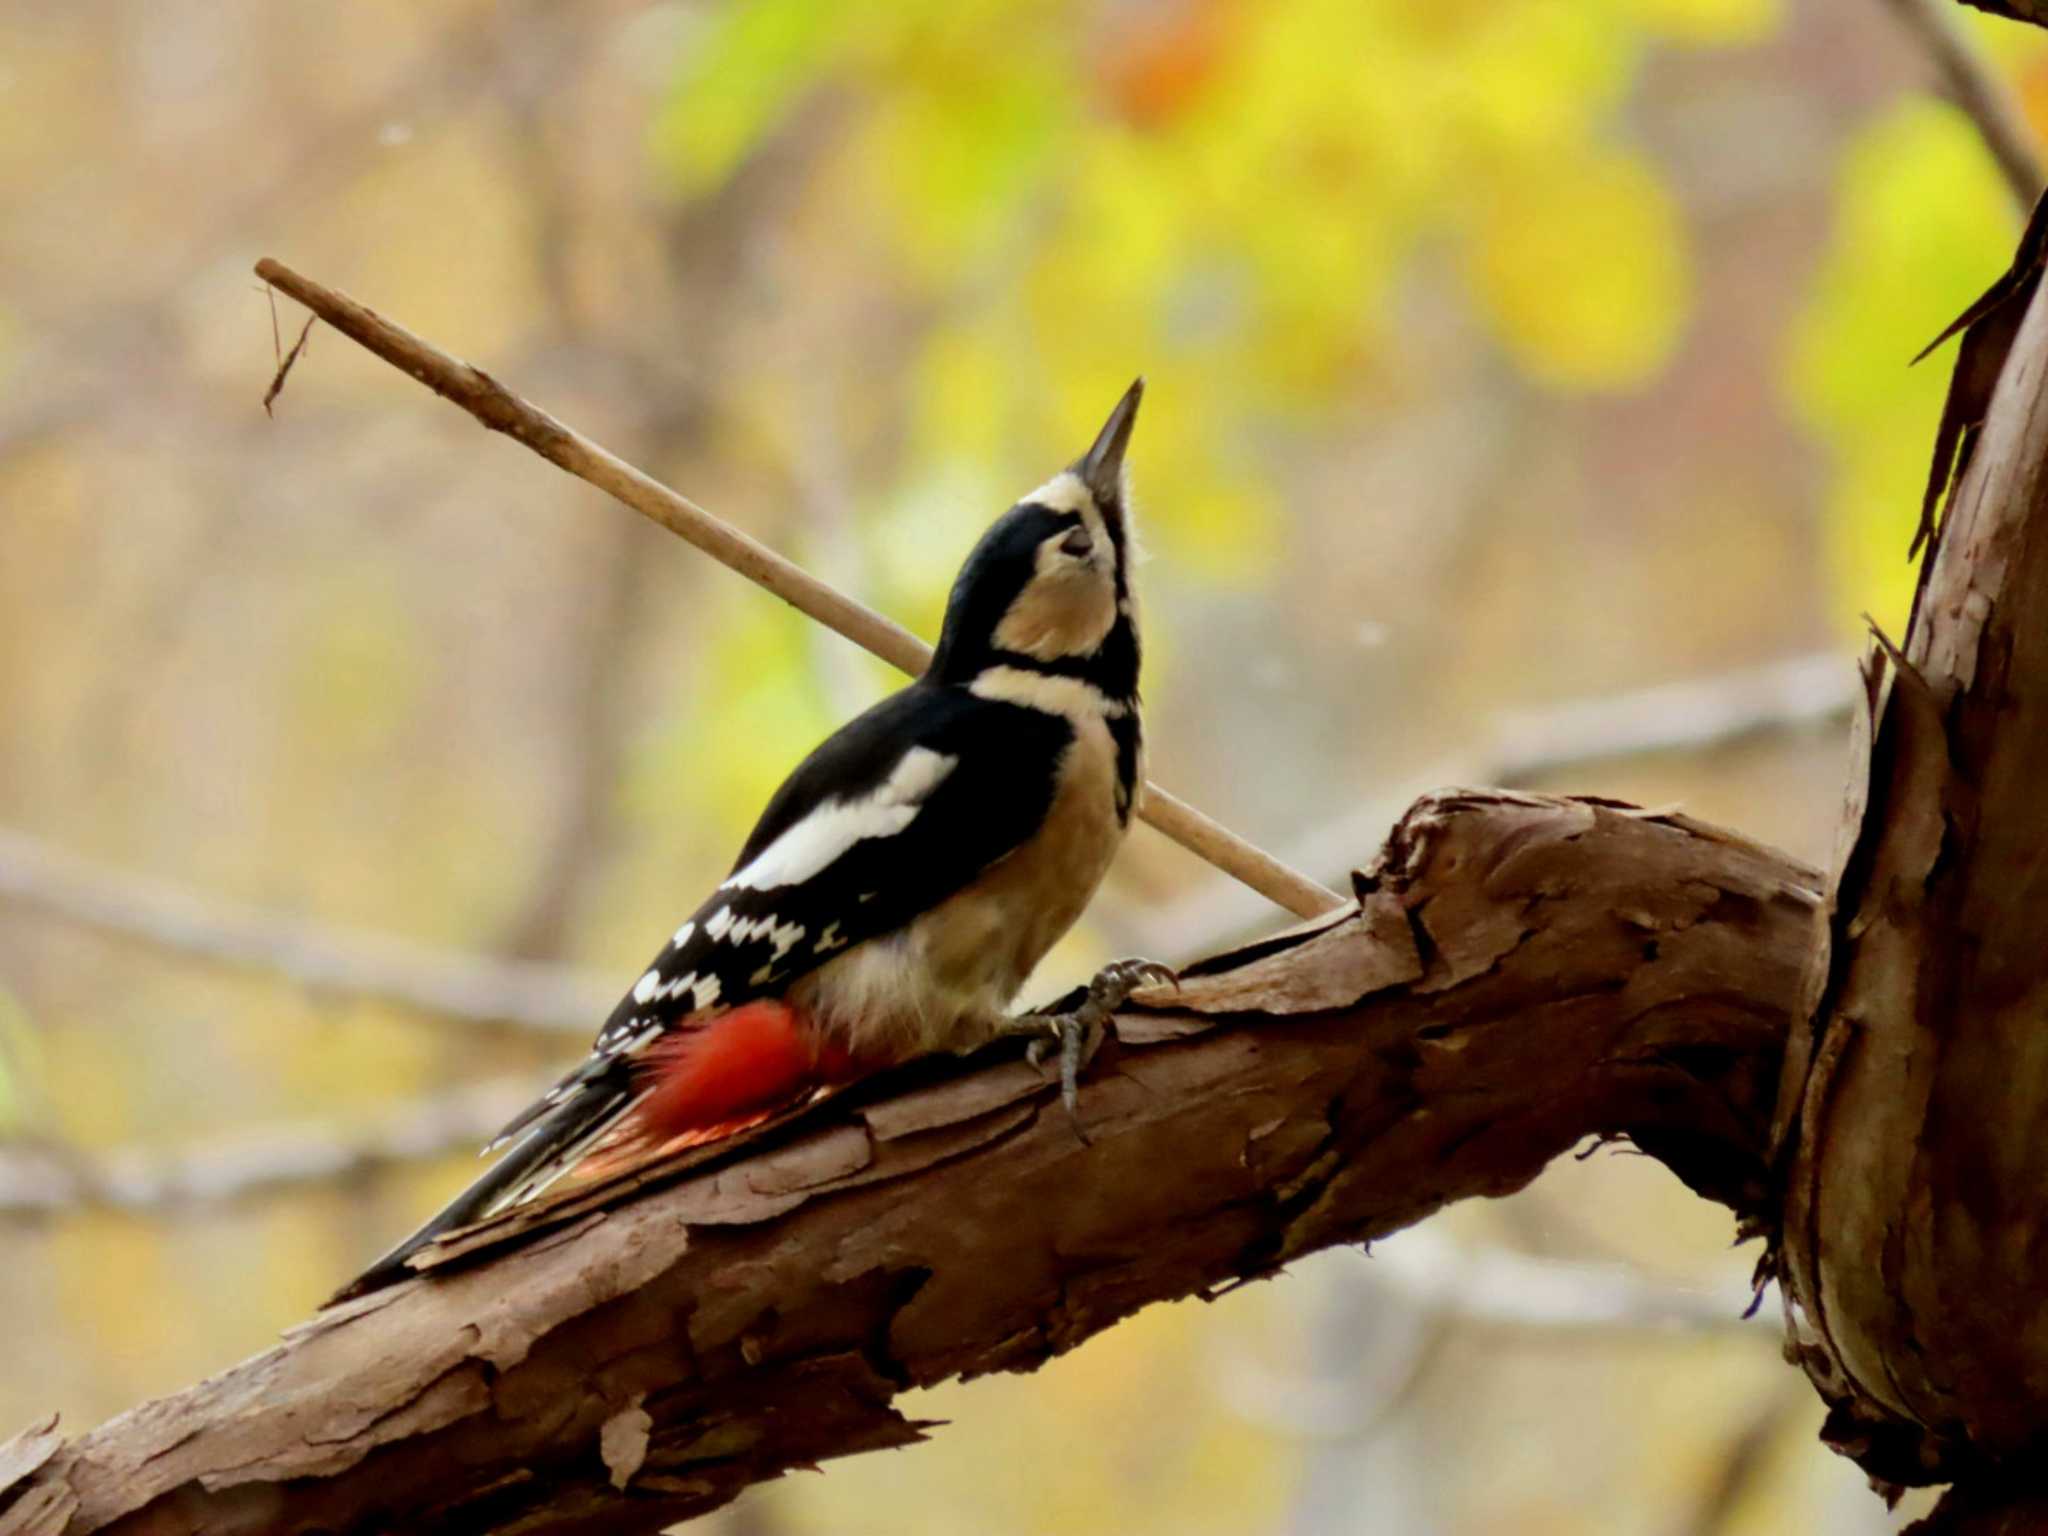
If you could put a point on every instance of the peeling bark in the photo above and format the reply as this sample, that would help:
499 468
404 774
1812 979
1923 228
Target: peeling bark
1915 1234
1519 973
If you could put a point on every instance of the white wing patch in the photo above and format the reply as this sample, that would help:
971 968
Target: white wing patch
652 989
621 1039
782 935
827 832
797 855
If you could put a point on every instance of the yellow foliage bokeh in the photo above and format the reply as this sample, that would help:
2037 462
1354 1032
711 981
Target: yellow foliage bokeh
1922 224
1582 265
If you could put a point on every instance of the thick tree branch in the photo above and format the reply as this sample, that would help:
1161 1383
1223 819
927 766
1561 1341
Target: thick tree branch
498 408
1520 973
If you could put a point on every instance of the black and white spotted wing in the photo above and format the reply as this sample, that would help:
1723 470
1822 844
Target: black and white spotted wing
895 811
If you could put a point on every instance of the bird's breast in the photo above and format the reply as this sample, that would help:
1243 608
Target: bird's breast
947 979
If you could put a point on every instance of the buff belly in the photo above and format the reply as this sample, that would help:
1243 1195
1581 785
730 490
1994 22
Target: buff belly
946 982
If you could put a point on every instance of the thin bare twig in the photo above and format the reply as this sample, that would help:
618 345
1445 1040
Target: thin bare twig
284 365
1969 80
499 993
502 411
40 1180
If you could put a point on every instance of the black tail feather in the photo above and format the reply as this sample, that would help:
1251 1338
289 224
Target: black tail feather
543 1151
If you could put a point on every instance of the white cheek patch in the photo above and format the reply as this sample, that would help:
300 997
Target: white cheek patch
1064 492
829 831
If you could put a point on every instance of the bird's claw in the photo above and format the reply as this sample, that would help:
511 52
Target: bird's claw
1079 1030
1115 982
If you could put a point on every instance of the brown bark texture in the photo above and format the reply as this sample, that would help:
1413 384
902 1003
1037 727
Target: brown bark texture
1914 1120
1517 974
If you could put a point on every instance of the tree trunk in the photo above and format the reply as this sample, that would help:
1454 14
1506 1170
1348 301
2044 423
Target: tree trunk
1915 1116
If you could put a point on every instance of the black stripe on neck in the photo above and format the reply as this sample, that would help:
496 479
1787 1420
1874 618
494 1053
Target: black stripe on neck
1112 668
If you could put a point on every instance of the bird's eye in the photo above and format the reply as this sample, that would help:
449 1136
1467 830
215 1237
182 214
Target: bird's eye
1077 543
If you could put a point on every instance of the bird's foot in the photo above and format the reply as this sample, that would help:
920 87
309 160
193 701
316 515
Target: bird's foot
1078 1030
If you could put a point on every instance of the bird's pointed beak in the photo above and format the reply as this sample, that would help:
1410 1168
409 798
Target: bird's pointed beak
1101 468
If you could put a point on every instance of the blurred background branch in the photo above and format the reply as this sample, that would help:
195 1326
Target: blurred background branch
1501 1288
1744 1463
1802 698
1970 80
41 1180
1798 694
463 989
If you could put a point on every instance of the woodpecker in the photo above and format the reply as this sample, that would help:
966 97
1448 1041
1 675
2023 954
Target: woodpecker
907 876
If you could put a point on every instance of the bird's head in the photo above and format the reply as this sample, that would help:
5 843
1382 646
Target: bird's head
1048 587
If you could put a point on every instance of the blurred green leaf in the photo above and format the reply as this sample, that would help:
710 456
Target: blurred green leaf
739 83
1922 224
